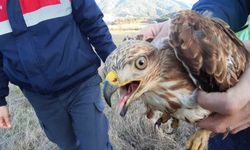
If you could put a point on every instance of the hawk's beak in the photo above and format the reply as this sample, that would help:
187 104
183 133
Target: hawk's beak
108 91
110 86
127 90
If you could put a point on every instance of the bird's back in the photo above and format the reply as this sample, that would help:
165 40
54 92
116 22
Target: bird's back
209 50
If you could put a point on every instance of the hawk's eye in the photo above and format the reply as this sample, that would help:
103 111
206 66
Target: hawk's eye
141 63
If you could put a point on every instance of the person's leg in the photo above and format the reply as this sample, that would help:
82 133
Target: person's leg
242 139
216 143
239 141
54 120
89 121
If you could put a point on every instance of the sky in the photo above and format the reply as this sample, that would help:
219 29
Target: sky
190 2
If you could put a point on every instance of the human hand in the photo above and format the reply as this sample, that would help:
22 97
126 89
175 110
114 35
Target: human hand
232 108
4 117
156 31
220 123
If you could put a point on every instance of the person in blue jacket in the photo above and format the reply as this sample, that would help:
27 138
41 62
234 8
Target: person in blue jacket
232 107
46 48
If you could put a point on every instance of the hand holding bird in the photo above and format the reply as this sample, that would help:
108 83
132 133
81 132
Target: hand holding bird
198 53
227 105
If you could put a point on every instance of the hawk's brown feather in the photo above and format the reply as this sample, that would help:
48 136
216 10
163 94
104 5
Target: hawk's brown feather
214 55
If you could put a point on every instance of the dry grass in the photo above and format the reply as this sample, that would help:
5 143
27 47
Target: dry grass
118 35
25 133
127 27
134 132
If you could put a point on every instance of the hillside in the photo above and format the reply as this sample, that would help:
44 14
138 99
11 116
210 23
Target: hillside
115 9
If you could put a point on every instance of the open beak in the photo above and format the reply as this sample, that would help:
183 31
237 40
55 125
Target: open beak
108 91
127 91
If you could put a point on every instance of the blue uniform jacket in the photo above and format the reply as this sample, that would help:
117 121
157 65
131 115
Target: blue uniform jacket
46 46
234 12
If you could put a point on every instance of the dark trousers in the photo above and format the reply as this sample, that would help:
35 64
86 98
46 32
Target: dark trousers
74 119
239 141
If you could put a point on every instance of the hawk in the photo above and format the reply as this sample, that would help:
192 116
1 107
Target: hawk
200 53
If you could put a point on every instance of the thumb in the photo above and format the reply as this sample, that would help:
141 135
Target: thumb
215 101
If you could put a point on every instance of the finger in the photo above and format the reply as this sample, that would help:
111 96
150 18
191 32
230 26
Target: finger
206 123
1 122
151 31
214 102
238 129
240 90
215 123
148 38
7 122
147 33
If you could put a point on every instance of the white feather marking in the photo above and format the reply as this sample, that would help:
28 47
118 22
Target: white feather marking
187 68
230 61
160 43
187 100
169 83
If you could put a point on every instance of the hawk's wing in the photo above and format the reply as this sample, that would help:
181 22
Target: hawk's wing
208 49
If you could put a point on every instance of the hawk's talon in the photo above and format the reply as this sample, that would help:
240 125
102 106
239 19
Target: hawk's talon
198 141
170 133
163 119
158 123
149 113
226 133
175 123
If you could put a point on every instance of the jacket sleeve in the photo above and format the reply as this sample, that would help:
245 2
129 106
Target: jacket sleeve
233 12
4 89
90 20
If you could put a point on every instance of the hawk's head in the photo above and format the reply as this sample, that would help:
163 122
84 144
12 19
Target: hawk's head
141 69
